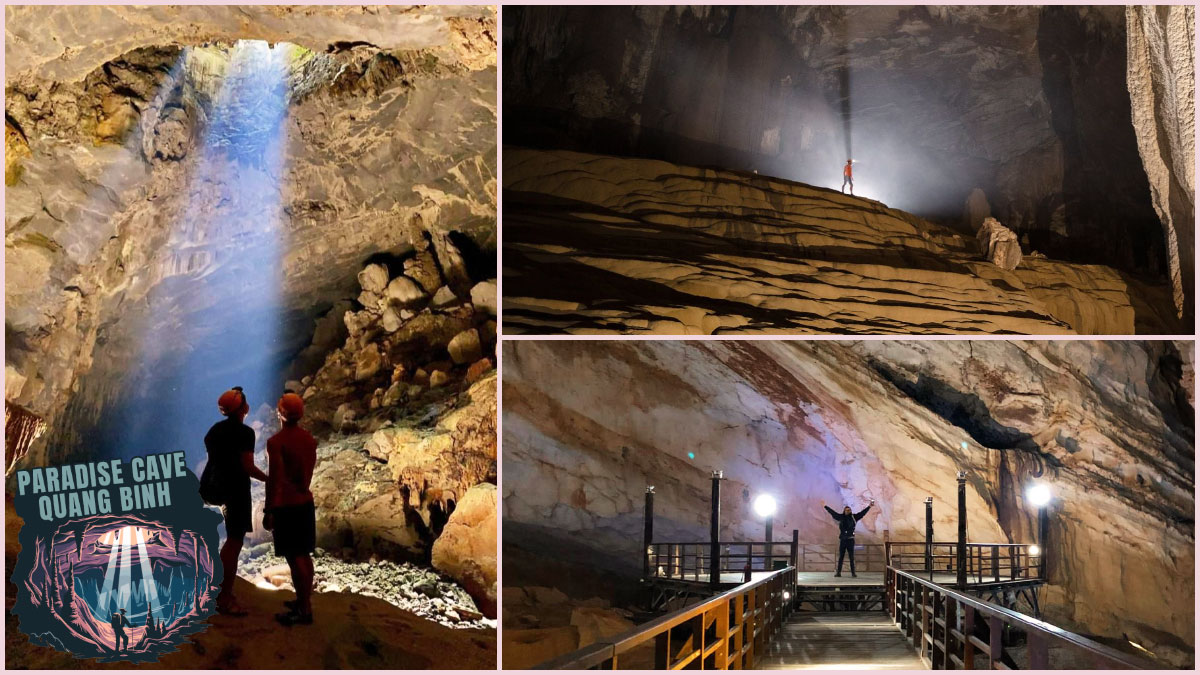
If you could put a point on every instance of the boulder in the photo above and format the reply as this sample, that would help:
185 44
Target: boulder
367 362
438 378
391 321
404 292
999 244
483 296
464 347
466 550
373 278
444 298
477 370
423 269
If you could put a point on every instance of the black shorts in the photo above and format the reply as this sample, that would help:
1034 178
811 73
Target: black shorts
295 529
238 516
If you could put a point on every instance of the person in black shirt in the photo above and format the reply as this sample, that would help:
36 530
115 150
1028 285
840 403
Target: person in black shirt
846 522
230 445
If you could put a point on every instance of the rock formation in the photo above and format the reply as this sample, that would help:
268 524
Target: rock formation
999 244
467 549
597 244
1161 76
118 227
1108 425
1028 104
190 209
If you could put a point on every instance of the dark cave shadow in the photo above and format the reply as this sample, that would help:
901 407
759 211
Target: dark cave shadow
967 412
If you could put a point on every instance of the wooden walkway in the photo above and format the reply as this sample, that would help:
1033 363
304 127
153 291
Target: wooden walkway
840 640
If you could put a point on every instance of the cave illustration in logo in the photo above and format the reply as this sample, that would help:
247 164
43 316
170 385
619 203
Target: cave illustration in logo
74 577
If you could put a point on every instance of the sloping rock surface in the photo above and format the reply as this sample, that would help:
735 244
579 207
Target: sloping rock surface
1107 425
598 244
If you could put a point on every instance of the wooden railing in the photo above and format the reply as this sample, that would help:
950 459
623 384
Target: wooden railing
954 630
730 630
823 558
986 563
690 561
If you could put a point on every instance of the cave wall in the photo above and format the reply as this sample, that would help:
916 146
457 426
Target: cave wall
587 425
1027 103
1162 87
114 231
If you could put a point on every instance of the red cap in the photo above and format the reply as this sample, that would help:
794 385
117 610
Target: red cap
233 402
291 407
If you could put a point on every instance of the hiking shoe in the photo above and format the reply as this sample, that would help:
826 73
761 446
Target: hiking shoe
838 574
294 618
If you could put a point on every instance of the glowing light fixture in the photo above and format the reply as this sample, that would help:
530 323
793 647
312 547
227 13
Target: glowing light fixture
764 506
1035 550
1038 495
964 445
787 595
691 455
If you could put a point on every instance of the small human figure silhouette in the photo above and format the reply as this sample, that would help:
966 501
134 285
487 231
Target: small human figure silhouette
848 176
119 622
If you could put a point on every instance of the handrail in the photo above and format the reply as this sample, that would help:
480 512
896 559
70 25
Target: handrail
743 621
986 562
941 622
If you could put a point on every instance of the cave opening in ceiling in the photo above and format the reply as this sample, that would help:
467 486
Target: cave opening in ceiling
232 293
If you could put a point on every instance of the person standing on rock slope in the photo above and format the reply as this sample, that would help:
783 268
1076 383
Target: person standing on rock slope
230 445
848 177
846 522
290 513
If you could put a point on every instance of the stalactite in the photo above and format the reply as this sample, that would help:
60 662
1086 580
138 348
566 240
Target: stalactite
21 429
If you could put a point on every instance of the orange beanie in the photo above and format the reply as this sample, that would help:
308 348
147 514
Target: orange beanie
291 406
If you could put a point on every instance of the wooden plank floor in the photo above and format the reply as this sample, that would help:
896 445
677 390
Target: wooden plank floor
842 641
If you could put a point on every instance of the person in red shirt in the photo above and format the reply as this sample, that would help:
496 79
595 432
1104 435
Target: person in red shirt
290 513
848 176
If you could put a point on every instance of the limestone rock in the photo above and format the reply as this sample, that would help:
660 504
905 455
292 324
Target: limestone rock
367 363
404 292
1161 78
885 253
1099 420
391 321
444 298
477 370
172 135
483 296
373 278
422 268
438 378
466 551
464 348
999 244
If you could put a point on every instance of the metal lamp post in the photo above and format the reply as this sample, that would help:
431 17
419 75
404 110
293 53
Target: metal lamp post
765 506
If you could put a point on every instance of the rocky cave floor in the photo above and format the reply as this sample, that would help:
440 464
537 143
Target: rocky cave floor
415 589
602 244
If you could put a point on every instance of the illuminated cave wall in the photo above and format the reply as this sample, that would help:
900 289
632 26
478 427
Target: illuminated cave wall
1029 104
587 425
153 259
